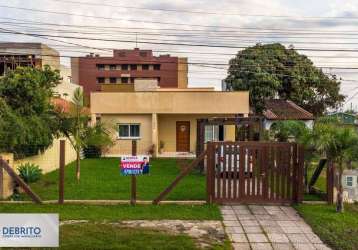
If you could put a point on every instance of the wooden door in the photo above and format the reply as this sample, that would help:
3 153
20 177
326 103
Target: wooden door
183 136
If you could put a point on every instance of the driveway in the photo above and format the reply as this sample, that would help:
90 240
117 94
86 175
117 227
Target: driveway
268 227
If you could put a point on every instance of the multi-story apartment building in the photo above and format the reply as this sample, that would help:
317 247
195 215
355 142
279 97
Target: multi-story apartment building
13 55
119 72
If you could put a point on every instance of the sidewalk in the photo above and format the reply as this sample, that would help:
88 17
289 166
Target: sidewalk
268 227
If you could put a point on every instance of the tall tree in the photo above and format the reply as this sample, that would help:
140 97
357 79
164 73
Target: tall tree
27 116
272 70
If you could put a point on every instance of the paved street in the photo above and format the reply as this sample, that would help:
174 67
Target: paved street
268 227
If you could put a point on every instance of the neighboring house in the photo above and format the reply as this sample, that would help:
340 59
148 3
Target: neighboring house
345 118
283 110
165 119
350 185
120 71
13 55
66 88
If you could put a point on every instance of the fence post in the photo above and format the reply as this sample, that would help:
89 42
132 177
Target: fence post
300 176
61 183
1 179
210 162
133 177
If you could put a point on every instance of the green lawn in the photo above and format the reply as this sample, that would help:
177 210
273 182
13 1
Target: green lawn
101 179
107 236
119 212
340 231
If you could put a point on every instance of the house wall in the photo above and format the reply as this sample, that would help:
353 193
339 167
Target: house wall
47 161
50 159
210 102
167 130
124 146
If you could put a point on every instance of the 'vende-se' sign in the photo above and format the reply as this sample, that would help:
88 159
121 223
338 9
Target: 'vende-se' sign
134 165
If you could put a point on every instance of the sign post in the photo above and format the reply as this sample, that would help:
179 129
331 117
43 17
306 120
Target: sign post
133 176
133 165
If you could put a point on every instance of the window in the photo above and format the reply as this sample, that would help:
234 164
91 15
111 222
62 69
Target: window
349 181
113 80
124 79
100 79
156 66
133 67
128 131
112 67
124 66
100 66
132 79
211 133
145 67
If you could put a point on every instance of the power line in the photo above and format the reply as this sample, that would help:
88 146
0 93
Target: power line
204 12
7 31
118 19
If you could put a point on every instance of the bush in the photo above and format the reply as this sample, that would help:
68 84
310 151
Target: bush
92 152
29 172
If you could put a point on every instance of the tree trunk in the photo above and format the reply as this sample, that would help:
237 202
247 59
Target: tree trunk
340 206
306 177
78 165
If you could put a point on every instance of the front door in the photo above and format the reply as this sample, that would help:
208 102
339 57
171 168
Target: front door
183 136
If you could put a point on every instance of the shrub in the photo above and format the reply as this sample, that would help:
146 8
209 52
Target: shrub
30 172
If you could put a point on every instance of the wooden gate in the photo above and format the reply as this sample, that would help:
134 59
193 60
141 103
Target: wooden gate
254 172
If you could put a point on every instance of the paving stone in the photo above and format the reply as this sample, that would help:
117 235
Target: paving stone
242 212
313 238
286 223
267 223
226 207
231 223
228 212
261 246
321 247
238 238
229 217
280 217
246 217
253 229
278 238
282 246
241 246
257 238
234 230
249 223
239 207
292 230
263 217
272 229
304 246
272 208
298 238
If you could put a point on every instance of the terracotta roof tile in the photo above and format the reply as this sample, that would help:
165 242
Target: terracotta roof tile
277 109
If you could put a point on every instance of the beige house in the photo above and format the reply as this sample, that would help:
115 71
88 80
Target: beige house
166 121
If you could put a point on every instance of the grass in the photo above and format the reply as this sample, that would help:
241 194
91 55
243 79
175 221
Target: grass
340 231
119 212
107 236
101 179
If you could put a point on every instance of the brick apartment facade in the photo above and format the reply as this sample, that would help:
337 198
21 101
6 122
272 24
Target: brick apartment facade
118 73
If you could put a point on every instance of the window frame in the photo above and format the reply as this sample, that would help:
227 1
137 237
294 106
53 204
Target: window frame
98 80
129 137
351 181
115 80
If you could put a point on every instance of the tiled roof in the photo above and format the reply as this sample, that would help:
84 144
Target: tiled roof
277 109
65 106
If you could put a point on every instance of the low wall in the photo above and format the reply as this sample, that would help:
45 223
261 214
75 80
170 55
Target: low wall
48 161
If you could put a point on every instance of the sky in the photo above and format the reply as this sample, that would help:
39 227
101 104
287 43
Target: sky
324 30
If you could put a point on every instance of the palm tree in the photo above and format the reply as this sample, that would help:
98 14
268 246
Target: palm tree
335 142
76 129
